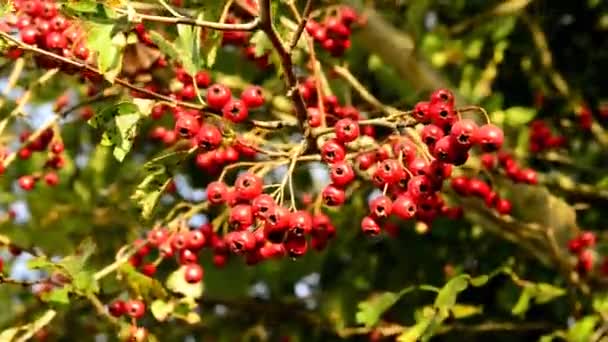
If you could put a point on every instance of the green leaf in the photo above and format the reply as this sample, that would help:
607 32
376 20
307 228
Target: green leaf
86 6
161 310
460 311
148 192
108 48
167 47
58 296
6 8
371 310
211 45
85 282
148 288
414 333
518 116
446 298
582 330
176 282
539 293
120 124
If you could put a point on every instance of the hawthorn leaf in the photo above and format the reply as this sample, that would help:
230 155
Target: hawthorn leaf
583 329
519 116
167 47
148 192
176 282
161 310
371 310
446 298
108 48
147 287
58 296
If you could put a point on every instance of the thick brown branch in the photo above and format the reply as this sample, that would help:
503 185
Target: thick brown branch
286 62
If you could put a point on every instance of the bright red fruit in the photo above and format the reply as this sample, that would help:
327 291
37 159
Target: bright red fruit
135 308
193 273
235 111
253 97
218 96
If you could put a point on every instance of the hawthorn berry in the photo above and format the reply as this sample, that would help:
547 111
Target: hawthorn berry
248 186
202 79
157 237
300 223
381 206
295 245
369 226
218 96
135 308
187 256
341 173
442 95
241 242
208 137
51 178
216 192
253 97
431 134
195 240
27 182
187 126
262 205
241 216
333 196
347 130
489 137
117 308
193 273
332 151
404 207
148 269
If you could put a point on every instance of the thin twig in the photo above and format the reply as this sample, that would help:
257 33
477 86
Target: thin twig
303 19
250 26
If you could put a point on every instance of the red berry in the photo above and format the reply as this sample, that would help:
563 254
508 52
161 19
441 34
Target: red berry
442 96
406 149
588 239
341 174
365 160
404 207
575 245
431 134
262 206
27 182
332 151
55 40
216 192
195 240
419 186
29 35
442 114
187 256
235 111
135 308
148 269
240 242
488 161
300 223
314 117
117 308
489 137
503 206
586 259
208 137
241 217
387 172
295 245
193 273
478 188
253 97
463 132
369 226
277 223
51 178
187 126
421 112
179 240
218 96
188 92
347 130
202 79
528 176
248 186
157 237
333 196
381 206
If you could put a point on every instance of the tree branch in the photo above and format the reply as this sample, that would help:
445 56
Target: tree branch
286 62
250 26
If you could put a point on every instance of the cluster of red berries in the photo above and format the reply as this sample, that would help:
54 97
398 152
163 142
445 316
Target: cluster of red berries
476 187
134 309
582 246
55 159
505 161
542 139
333 34
261 228
410 176
39 23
